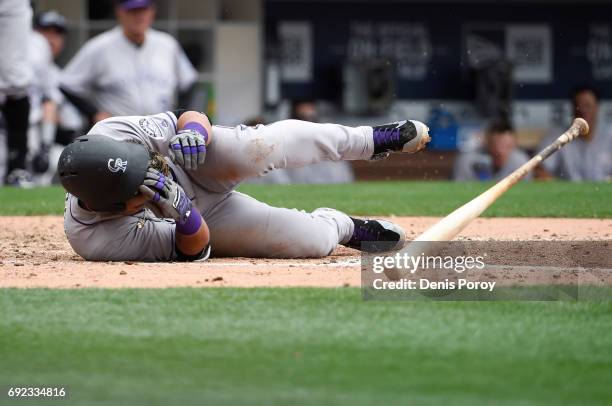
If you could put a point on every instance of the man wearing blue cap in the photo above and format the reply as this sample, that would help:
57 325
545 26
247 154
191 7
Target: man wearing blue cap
129 70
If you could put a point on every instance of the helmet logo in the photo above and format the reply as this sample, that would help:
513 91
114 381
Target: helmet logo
116 165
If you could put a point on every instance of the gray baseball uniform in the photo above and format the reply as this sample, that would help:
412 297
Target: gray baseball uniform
327 172
125 79
239 225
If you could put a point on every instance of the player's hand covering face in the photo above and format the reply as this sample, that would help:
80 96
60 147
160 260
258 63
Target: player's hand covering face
188 149
166 194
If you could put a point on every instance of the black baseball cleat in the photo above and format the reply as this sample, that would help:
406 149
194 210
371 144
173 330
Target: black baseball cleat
401 136
376 236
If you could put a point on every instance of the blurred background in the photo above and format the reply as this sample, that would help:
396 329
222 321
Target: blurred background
471 70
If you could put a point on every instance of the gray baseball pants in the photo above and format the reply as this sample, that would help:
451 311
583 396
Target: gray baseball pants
243 226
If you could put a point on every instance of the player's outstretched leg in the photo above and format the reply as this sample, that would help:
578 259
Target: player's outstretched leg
236 154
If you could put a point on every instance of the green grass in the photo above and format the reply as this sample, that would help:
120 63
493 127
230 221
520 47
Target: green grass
314 346
303 346
535 199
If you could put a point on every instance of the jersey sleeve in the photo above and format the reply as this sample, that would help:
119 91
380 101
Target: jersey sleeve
153 131
187 75
132 239
79 76
140 237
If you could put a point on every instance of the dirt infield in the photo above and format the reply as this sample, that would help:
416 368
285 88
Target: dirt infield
35 253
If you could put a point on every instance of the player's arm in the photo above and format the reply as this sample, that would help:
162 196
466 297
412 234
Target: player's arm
194 132
85 106
191 233
78 79
193 246
194 119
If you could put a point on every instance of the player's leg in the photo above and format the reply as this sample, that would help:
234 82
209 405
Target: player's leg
236 154
15 76
16 117
243 226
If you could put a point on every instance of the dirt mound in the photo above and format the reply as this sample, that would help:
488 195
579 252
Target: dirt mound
35 253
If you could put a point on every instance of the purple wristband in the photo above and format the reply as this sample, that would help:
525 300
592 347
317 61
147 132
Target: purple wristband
191 224
194 125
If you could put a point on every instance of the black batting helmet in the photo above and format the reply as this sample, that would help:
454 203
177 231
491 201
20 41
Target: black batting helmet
103 172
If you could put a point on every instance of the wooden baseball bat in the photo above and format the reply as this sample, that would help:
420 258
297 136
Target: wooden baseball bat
451 225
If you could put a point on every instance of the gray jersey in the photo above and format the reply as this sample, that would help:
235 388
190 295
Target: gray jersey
581 159
113 237
105 237
124 79
239 225
478 165
143 236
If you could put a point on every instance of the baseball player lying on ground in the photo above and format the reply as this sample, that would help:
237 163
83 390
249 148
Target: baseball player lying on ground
161 187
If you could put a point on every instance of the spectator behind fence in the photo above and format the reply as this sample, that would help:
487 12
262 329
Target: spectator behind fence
131 69
495 160
319 173
585 158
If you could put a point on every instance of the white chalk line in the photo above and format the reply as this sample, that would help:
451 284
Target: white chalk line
337 264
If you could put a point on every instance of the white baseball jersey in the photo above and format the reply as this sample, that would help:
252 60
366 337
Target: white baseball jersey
15 25
122 78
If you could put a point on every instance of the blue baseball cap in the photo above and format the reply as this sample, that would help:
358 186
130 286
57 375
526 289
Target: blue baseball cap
133 4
